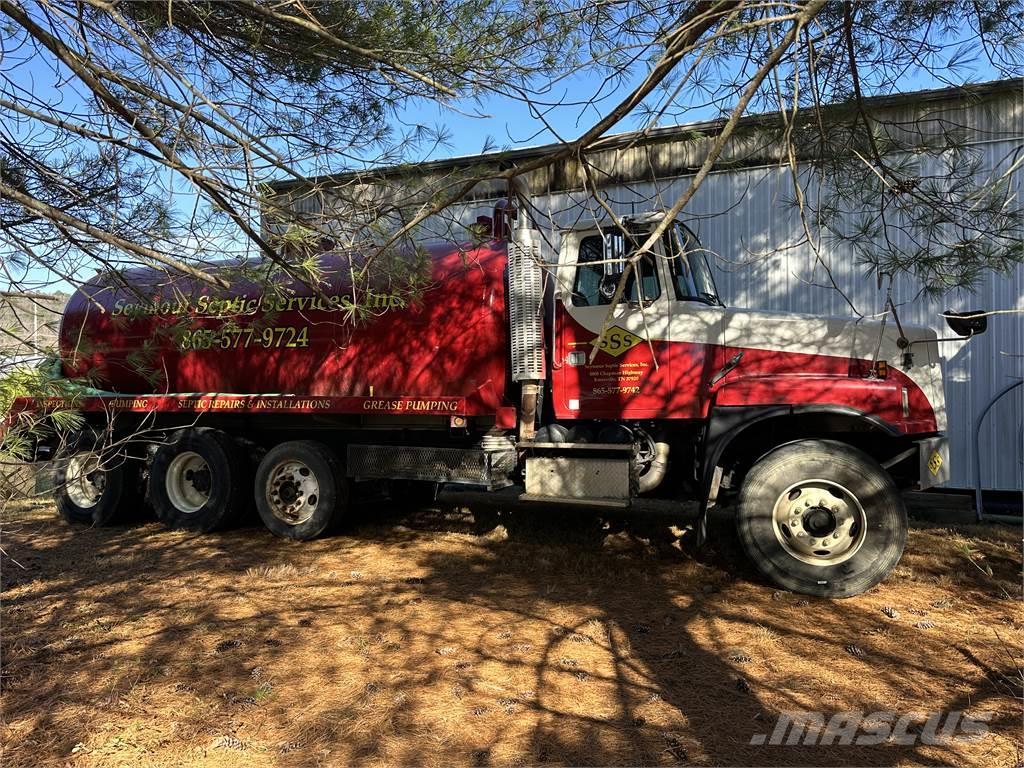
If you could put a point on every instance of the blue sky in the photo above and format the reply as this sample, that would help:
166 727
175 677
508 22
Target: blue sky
503 122
499 122
509 124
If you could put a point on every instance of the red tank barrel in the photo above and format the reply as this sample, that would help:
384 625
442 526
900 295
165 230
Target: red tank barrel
432 326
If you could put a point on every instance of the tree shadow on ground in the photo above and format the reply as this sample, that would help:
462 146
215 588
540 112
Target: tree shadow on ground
417 639
653 602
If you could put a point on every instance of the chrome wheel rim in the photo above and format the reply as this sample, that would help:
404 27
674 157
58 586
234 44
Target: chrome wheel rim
292 492
85 480
188 482
819 522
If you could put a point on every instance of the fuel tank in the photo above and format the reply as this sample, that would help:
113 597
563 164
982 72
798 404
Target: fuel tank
430 324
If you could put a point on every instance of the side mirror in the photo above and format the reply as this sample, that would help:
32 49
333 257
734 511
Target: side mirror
608 285
615 262
967 324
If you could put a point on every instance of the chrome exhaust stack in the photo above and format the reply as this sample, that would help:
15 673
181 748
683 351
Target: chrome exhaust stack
526 318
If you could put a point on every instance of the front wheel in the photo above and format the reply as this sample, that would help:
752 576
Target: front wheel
301 490
820 517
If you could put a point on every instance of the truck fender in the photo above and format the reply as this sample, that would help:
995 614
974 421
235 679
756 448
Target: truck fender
726 423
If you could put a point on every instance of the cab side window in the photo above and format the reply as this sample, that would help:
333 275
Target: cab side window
691 276
677 245
591 272
586 291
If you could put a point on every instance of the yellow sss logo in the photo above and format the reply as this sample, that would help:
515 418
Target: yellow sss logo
934 463
616 341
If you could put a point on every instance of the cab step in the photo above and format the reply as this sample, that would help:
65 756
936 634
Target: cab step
514 497
575 501
529 445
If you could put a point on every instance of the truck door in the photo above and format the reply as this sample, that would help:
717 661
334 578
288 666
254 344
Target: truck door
695 323
629 376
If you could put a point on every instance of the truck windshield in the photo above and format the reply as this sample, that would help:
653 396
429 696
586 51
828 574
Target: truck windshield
691 275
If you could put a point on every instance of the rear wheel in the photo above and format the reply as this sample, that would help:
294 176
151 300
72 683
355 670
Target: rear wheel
199 480
821 518
89 486
301 490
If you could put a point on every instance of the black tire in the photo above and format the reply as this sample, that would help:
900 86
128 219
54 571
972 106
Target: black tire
853 556
301 490
199 494
85 468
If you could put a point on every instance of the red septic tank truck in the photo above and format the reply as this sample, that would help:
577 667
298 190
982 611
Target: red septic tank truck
496 375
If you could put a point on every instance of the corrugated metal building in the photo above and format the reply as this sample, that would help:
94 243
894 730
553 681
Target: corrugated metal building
29 323
741 215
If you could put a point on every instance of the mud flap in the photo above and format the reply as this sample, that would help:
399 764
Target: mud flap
709 500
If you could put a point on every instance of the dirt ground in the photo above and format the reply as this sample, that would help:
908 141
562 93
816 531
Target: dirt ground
415 640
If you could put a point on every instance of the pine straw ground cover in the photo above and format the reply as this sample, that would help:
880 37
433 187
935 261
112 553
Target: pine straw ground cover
416 641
